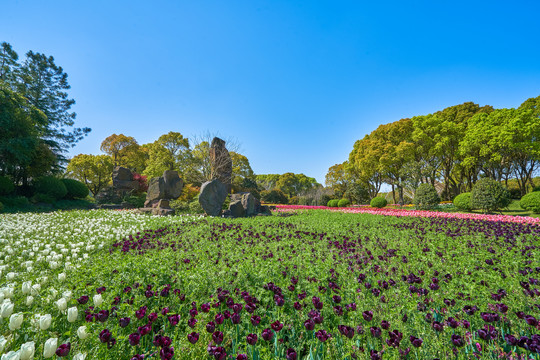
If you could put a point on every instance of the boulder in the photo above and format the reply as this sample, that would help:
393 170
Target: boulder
249 202
212 196
169 186
221 162
236 209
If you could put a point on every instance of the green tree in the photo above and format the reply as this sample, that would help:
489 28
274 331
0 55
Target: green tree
169 152
93 170
8 65
267 181
337 179
241 170
364 165
119 148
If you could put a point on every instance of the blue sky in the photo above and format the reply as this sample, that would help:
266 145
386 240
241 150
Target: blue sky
295 82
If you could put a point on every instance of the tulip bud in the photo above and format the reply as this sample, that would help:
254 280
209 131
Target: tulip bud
35 289
29 300
79 356
61 304
12 355
6 309
45 322
27 350
50 347
67 295
81 332
62 277
98 300
72 314
26 286
15 321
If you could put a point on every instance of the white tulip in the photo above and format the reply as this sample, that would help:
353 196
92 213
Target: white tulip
29 269
15 321
6 309
8 292
29 300
3 343
27 350
45 322
26 286
50 347
12 355
72 314
79 356
53 291
61 304
1 296
36 288
81 332
98 300
67 295
62 277
10 276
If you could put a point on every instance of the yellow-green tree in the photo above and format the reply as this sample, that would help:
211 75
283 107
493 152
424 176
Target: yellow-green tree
93 170
120 148
169 152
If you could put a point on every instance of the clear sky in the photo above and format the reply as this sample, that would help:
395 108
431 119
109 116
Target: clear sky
295 82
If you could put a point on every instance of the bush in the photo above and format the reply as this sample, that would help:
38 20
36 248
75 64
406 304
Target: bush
463 202
536 188
531 202
72 204
75 189
378 202
1 207
195 207
179 206
489 195
332 203
6 185
136 200
50 186
274 196
426 197
343 203
14 201
43 198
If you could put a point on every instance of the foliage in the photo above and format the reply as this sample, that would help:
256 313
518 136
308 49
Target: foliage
121 148
189 192
142 180
463 202
65 204
93 170
137 200
179 206
357 193
489 195
531 202
169 152
195 207
6 185
343 203
378 202
1 207
274 196
426 197
50 186
75 189
333 203
15 201
43 198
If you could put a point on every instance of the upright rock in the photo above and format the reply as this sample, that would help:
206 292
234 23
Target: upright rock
249 202
212 196
122 186
221 163
169 186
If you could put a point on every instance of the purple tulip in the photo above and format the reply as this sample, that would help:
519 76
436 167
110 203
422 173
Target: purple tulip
309 324
241 357
83 299
219 318
375 331
193 337
457 340
368 315
531 320
63 350
134 339
251 339
152 317
322 335
105 336
417 342
166 353
346 331
143 330
385 325
174 319
124 322
255 320
139 314
291 354
210 327
276 326
102 315
437 326
267 334
217 337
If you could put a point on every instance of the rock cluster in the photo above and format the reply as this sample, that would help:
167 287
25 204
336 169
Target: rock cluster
122 185
245 205
160 191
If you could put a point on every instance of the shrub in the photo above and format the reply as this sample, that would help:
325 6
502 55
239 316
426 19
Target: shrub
531 202
343 202
378 202
536 188
72 204
1 207
463 202
426 197
332 203
43 198
137 200
75 189
14 201
51 186
179 206
274 196
195 207
6 185
489 195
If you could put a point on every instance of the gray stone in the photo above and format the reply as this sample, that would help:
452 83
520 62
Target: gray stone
221 163
163 204
236 209
212 196
121 173
169 186
250 203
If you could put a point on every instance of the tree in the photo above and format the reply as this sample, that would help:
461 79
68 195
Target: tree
8 65
44 84
364 164
337 179
119 147
19 136
169 152
241 170
295 184
267 181
93 170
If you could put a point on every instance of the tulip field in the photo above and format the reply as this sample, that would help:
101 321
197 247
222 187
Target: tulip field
303 284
